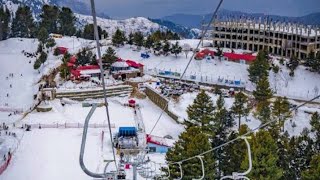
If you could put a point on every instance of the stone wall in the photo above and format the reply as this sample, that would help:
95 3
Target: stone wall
161 102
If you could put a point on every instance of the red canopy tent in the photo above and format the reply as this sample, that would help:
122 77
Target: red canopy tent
234 56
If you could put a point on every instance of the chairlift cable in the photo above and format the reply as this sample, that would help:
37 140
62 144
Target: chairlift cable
213 17
102 75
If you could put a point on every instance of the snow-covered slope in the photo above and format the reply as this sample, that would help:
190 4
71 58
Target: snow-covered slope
127 25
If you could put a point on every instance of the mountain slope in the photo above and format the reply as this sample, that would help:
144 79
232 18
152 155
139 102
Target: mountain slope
127 25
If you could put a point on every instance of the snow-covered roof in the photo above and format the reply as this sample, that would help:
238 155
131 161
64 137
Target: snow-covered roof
90 71
120 64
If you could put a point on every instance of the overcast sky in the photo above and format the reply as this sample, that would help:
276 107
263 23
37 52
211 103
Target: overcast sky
160 8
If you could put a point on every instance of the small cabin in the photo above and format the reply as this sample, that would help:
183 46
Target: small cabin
158 144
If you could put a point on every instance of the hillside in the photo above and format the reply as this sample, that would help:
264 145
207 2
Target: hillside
128 25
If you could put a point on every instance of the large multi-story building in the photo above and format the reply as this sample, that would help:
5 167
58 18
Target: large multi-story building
278 38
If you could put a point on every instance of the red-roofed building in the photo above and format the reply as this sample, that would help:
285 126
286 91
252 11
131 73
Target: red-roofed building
124 69
158 144
85 72
62 50
241 58
205 52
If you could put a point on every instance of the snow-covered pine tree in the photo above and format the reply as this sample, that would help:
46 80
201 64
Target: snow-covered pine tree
263 91
23 23
315 129
66 20
4 23
234 153
281 111
263 111
138 39
84 57
109 57
149 42
259 67
313 172
130 38
166 48
190 143
240 106
200 112
118 38
43 35
220 129
176 49
302 154
49 18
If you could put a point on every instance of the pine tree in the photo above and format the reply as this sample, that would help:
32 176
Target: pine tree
283 154
264 111
259 67
50 43
49 18
109 57
220 102
315 129
293 63
84 57
240 106
64 69
176 36
166 48
176 49
37 64
190 143
66 21
263 91
118 38
157 46
220 129
149 42
23 23
43 35
264 157
88 32
302 154
4 23
200 112
234 153
130 39
312 173
281 110
43 57
138 39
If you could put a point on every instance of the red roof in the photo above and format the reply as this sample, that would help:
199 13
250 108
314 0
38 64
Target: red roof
234 56
132 101
75 73
73 59
134 64
207 52
70 64
88 67
200 55
62 50
156 140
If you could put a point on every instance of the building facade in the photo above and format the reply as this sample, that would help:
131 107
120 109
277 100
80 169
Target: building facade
278 38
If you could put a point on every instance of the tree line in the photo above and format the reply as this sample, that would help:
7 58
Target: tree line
275 155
